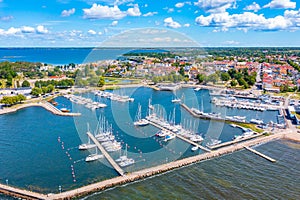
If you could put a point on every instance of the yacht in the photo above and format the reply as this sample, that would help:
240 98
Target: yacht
88 145
94 156
213 142
194 148
127 162
169 137
162 133
196 138
139 121
256 121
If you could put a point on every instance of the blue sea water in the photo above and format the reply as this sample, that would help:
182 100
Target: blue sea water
60 56
38 148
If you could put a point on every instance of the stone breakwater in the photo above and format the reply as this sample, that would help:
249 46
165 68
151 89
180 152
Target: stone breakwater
142 174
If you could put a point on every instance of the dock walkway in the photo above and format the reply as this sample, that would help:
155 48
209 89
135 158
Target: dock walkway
260 154
24 194
107 156
182 138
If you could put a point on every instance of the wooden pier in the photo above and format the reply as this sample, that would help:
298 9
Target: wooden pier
260 154
181 137
107 156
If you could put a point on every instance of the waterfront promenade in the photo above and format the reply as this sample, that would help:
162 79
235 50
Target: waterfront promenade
286 134
43 104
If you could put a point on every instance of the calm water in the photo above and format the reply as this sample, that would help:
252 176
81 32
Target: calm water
241 175
33 157
59 55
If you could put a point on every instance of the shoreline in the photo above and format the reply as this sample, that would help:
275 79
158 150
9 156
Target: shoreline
42 104
152 171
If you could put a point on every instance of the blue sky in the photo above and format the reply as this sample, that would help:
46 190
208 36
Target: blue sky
69 23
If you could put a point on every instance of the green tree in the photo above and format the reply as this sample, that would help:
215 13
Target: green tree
233 83
36 91
201 78
181 71
213 78
225 76
50 88
25 84
101 81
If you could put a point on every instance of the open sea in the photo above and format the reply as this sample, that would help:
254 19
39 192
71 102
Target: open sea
37 148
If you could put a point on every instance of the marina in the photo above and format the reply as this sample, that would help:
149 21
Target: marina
142 173
172 130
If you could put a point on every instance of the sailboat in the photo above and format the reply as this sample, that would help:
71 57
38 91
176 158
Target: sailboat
88 145
124 160
150 106
93 157
139 121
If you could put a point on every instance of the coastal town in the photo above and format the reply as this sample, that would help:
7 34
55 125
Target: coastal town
238 89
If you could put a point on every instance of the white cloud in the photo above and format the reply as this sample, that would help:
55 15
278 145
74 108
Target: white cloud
102 12
186 25
13 31
149 14
114 23
98 11
170 10
281 4
169 22
41 29
179 5
231 42
6 18
135 11
253 7
215 6
67 13
27 29
92 32
248 20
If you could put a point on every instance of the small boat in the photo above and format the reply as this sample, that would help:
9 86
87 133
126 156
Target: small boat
169 137
162 133
64 110
256 121
94 156
213 142
194 148
196 138
176 100
197 89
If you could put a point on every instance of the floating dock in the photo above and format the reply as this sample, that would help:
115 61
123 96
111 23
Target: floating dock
107 156
260 154
181 137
